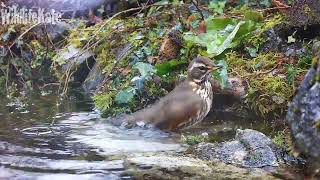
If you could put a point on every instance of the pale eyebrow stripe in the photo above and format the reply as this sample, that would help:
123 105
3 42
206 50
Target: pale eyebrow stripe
199 65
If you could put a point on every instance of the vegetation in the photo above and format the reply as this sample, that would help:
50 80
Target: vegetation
194 139
283 139
145 53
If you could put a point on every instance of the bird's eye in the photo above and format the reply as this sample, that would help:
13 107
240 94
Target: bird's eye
202 68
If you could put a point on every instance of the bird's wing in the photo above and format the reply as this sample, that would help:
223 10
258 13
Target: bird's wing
178 109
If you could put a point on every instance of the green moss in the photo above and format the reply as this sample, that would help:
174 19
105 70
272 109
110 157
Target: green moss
155 89
296 110
317 78
104 101
279 139
193 139
318 124
315 62
2 85
267 94
283 139
258 38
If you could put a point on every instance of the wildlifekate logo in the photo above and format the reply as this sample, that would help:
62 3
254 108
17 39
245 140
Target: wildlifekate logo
16 15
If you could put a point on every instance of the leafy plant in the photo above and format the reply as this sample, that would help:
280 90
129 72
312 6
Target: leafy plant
145 69
217 5
168 66
193 139
292 72
104 101
222 34
125 96
222 74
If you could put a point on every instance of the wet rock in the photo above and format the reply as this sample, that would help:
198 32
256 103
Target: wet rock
276 39
6 173
174 167
304 115
250 149
260 153
305 12
59 165
80 63
273 40
56 32
94 79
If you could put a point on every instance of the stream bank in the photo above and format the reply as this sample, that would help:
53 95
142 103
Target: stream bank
73 141
130 60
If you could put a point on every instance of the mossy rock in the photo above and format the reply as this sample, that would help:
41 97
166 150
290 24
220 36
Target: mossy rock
305 12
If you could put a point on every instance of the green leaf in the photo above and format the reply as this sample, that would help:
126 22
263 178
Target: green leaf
215 24
145 69
168 66
222 33
292 72
215 51
222 74
252 51
246 28
266 3
253 16
217 5
125 96
291 39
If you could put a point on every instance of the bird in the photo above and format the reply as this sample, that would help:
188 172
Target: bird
186 105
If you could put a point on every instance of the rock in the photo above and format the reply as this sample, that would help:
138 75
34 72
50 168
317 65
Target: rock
56 32
171 45
94 79
259 149
274 41
304 114
79 63
251 149
176 167
305 12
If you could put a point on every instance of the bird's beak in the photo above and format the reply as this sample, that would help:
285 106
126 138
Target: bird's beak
215 67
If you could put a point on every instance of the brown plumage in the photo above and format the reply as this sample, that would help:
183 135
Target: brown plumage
186 105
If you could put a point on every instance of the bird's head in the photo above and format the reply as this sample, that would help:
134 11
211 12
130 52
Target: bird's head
199 69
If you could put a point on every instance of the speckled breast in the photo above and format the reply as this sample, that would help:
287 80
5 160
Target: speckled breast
206 94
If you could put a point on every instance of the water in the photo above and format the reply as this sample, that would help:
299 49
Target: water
45 138
42 137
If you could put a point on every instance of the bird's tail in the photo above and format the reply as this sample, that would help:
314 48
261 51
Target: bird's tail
129 120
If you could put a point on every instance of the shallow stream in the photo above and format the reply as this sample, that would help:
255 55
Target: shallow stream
43 137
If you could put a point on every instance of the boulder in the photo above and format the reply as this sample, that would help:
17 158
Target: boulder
94 79
73 60
304 113
56 32
305 12
179 167
250 149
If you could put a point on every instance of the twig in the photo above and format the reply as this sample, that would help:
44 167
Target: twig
49 84
274 8
254 75
198 9
95 33
267 72
24 33
107 77
143 7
